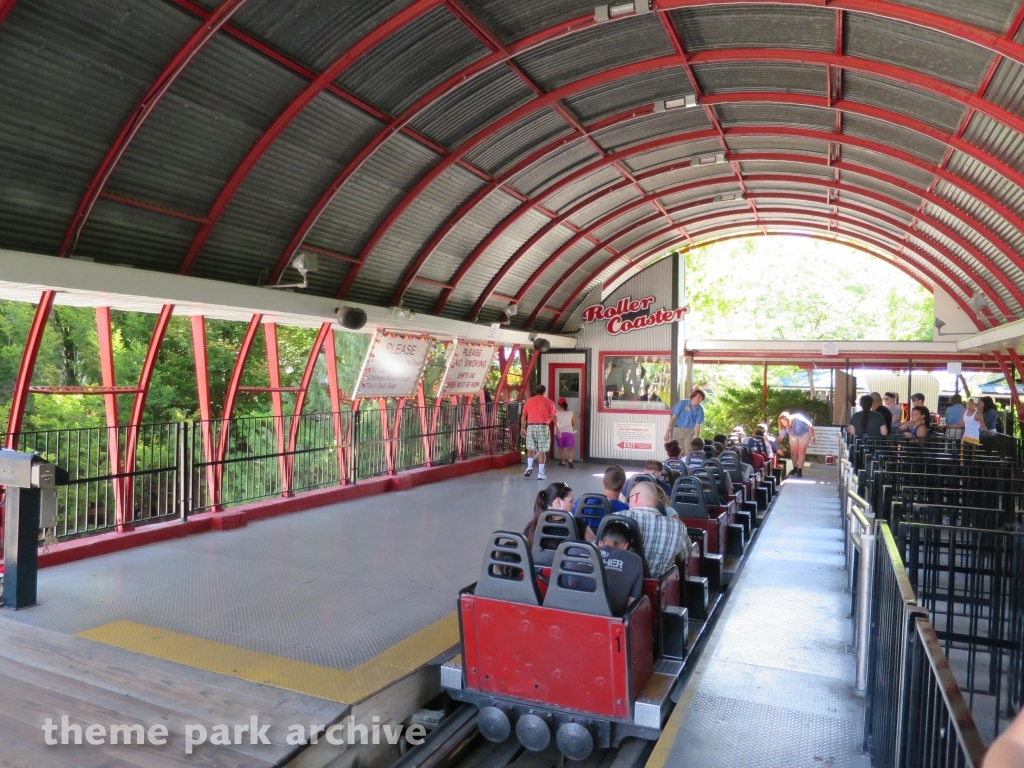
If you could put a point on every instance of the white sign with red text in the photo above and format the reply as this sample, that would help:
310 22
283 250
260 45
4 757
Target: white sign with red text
634 437
631 315
468 364
393 365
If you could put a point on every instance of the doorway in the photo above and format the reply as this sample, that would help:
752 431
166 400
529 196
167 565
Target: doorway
568 380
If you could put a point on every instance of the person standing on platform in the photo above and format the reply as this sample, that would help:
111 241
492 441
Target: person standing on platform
990 416
867 422
889 401
538 414
973 424
878 406
566 440
801 434
687 416
955 417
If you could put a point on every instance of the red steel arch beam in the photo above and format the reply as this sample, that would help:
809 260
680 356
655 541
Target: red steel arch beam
714 181
776 224
700 135
19 397
898 74
408 14
178 64
755 196
307 378
768 210
5 8
796 157
938 266
994 271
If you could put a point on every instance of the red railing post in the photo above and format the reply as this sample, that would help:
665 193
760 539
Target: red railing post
203 392
274 371
334 391
421 404
19 398
229 405
108 379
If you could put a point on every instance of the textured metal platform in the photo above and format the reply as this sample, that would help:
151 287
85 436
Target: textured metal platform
334 587
775 686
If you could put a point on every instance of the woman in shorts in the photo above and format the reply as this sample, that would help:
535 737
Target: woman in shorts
566 438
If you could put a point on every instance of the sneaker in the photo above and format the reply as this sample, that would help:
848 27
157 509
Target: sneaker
528 472
541 476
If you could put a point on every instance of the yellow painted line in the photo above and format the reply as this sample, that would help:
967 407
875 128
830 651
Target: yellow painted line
659 755
347 686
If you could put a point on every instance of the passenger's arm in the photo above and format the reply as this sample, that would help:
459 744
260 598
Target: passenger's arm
852 431
1008 750
588 534
884 430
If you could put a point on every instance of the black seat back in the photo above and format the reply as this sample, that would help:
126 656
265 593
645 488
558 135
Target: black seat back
695 459
722 482
731 464
710 486
554 527
635 537
677 465
577 580
592 508
688 498
507 572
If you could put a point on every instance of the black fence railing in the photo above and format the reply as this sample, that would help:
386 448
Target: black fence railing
915 712
124 477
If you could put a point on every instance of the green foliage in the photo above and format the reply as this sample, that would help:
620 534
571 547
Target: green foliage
795 288
732 406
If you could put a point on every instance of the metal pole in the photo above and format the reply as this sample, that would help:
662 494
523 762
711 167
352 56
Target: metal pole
866 575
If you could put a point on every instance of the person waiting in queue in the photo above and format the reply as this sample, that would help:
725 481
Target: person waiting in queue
557 496
955 417
664 538
623 569
973 424
801 433
878 405
867 422
687 417
917 424
895 409
538 414
990 415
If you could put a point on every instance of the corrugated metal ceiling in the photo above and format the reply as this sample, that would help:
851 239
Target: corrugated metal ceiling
71 75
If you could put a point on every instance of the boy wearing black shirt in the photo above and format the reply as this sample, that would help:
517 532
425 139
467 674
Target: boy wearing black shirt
623 570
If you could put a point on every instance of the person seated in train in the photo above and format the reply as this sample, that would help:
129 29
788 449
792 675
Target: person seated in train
555 496
673 450
623 569
612 483
765 441
665 539
654 468
746 469
696 446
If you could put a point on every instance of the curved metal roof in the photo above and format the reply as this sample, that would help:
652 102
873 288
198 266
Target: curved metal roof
458 155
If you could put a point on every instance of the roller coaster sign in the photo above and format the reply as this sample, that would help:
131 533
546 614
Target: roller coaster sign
630 314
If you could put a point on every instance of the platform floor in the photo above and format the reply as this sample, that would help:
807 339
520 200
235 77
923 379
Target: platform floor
335 602
774 687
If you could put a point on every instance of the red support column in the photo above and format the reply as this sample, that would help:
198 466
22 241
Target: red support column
19 397
229 403
1012 384
139 404
108 379
307 375
334 391
203 393
385 434
274 370
421 405
527 372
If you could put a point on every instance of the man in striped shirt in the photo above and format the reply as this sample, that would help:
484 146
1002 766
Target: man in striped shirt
665 539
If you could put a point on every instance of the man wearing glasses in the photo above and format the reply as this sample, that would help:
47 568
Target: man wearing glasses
664 538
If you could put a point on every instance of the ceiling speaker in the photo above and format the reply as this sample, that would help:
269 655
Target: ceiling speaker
351 318
541 345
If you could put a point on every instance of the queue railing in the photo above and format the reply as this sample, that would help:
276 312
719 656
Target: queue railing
123 477
915 713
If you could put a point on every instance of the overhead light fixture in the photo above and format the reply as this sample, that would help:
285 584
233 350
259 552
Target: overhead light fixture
718 157
728 196
512 309
604 13
401 313
683 102
303 263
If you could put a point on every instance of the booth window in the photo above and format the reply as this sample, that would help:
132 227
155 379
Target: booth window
636 381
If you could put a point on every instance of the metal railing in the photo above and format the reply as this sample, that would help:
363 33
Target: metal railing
915 714
122 477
